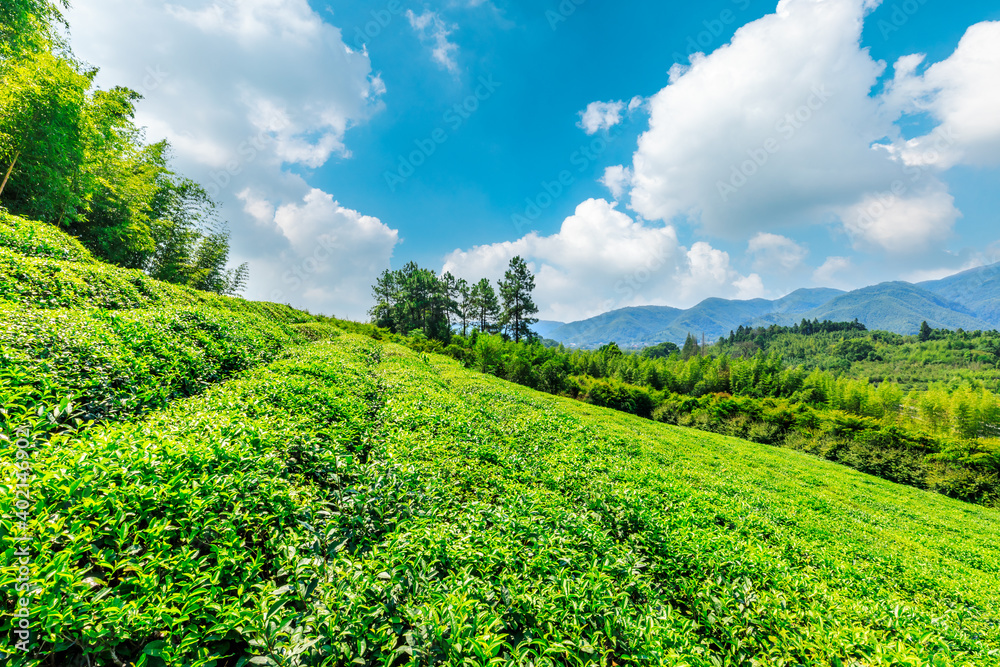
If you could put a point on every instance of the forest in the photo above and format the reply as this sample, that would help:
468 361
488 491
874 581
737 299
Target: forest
921 410
72 155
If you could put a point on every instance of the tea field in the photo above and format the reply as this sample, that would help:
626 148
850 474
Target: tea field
188 480
357 503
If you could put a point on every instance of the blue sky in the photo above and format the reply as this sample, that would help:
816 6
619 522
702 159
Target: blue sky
336 100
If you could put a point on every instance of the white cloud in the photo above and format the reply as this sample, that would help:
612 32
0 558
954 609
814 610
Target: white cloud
962 93
241 90
336 253
772 253
600 116
617 179
828 275
902 225
602 259
431 28
777 128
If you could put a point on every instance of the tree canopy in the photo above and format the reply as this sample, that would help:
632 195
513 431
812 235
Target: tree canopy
72 155
415 299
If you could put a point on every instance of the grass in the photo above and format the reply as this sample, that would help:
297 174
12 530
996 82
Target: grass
357 503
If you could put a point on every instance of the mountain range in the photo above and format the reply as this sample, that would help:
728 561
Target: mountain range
969 300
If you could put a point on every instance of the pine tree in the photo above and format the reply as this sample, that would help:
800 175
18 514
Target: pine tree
484 305
690 348
518 306
462 299
925 331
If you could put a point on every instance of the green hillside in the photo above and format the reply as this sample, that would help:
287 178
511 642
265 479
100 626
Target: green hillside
977 289
244 497
649 325
359 504
947 357
897 307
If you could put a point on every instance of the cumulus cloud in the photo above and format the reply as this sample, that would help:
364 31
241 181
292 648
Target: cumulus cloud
780 128
773 253
830 273
335 254
242 91
600 116
902 224
962 93
617 179
431 28
603 259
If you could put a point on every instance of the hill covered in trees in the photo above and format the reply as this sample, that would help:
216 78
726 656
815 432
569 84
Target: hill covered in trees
72 155
967 300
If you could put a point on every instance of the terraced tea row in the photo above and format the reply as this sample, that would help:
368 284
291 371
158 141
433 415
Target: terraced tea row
360 504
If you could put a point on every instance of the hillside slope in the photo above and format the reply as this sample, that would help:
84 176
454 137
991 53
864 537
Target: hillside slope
358 503
106 342
976 289
897 307
969 300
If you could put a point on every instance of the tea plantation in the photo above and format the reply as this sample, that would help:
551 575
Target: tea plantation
221 492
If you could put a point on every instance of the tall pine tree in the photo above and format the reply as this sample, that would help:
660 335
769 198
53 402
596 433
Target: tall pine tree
518 307
485 307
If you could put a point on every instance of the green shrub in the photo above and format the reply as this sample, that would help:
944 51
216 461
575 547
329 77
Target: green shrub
38 239
123 363
359 504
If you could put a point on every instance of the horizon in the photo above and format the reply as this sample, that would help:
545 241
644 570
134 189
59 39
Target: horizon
648 154
779 298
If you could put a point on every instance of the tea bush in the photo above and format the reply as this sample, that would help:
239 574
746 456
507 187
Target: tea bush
358 503
121 363
39 239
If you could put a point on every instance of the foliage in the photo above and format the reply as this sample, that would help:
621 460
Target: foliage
485 307
944 438
357 503
35 239
518 306
192 245
113 341
413 299
25 23
121 364
42 114
72 156
416 300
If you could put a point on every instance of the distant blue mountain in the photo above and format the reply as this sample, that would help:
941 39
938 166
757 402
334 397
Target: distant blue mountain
638 327
968 300
649 325
977 290
898 307
545 327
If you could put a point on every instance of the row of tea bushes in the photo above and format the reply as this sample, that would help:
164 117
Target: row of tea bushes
358 503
